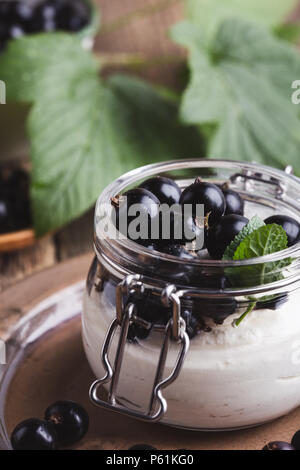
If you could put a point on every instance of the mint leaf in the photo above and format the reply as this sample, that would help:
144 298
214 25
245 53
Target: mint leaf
207 14
263 241
266 240
241 82
253 225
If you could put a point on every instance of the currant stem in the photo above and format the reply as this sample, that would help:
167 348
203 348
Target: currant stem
250 308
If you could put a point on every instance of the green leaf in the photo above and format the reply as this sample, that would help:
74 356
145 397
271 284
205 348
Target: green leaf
44 65
85 132
241 81
288 32
80 144
207 14
266 240
253 225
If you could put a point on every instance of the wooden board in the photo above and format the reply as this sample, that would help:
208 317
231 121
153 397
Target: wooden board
56 368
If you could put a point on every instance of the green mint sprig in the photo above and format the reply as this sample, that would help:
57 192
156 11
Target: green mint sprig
265 240
254 223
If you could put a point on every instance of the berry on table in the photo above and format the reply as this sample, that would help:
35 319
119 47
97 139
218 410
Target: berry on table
165 189
34 434
278 445
207 194
296 440
290 225
69 419
220 235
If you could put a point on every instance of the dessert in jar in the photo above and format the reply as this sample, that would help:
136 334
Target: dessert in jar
199 337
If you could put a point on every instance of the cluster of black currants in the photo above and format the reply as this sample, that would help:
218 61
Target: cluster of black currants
23 17
14 201
217 202
65 423
223 210
281 445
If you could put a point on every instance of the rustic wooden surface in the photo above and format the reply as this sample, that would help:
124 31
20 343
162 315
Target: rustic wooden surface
56 368
129 26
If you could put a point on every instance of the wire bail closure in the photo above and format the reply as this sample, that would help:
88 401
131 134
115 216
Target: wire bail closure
175 329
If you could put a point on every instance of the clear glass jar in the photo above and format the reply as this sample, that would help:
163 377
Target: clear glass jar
226 377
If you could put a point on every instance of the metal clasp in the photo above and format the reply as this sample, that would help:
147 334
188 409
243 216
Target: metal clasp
280 188
175 329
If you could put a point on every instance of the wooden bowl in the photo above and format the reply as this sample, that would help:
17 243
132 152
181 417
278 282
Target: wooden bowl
17 240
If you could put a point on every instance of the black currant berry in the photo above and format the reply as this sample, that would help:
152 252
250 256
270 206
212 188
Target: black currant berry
142 447
150 308
165 189
183 229
278 445
137 332
4 31
23 12
7 9
207 194
290 225
69 419
6 223
15 31
44 17
145 205
17 190
217 310
34 434
296 440
73 15
219 236
234 203
176 250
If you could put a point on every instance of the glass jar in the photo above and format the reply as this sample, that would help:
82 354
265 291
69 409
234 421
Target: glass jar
137 329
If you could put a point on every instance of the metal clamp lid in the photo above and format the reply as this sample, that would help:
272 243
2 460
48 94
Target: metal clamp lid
175 329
